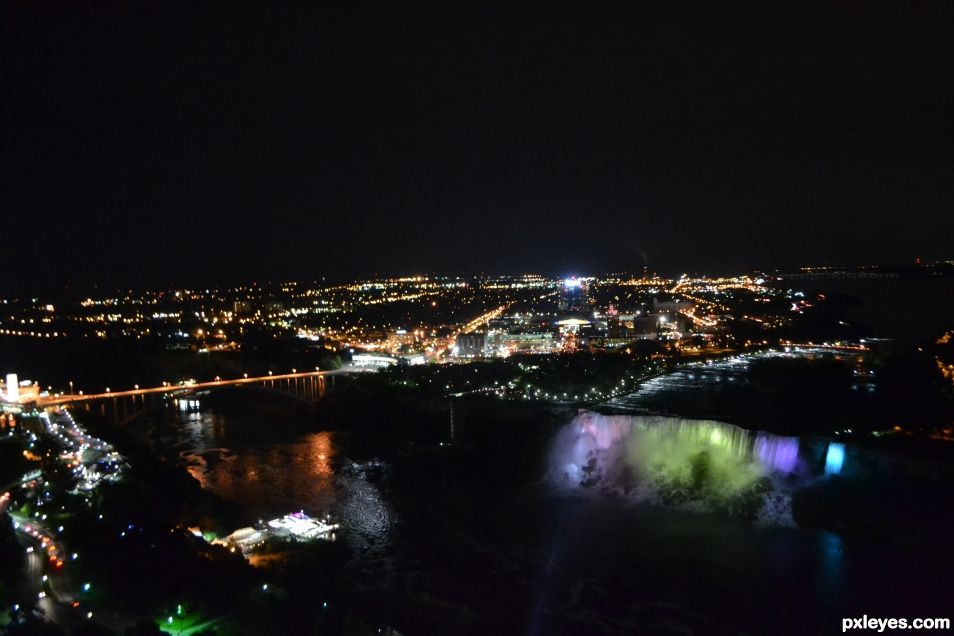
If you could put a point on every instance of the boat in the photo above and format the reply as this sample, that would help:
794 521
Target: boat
300 526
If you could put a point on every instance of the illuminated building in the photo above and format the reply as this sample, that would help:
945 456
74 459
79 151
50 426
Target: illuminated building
504 343
470 344
17 391
372 360
573 295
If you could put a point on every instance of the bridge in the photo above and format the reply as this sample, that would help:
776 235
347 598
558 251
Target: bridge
128 405
307 379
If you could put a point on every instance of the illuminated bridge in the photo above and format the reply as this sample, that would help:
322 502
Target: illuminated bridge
126 406
287 381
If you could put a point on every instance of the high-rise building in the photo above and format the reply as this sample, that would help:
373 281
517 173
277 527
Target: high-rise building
573 296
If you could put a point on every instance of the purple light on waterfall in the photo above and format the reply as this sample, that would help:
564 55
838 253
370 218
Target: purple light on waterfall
777 453
604 431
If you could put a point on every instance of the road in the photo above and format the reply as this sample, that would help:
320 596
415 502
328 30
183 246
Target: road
44 551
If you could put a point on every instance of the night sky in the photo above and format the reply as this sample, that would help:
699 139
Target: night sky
173 145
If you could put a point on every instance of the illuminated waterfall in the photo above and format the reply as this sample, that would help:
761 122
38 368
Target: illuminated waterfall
834 458
777 453
672 459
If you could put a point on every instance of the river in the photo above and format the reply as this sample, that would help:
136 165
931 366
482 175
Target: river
438 549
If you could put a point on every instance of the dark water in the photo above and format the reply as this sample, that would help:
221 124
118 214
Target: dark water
906 309
436 555
271 479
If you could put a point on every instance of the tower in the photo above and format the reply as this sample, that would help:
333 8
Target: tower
13 388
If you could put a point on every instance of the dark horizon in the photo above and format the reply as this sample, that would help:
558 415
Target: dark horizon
147 145
94 288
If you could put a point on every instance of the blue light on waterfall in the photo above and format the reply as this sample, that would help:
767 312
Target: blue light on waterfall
835 458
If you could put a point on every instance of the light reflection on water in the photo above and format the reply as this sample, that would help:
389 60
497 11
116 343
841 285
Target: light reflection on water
831 560
274 478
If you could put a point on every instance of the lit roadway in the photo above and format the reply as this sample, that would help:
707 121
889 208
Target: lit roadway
54 600
170 388
437 350
477 322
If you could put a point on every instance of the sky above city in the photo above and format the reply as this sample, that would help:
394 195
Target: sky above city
148 144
